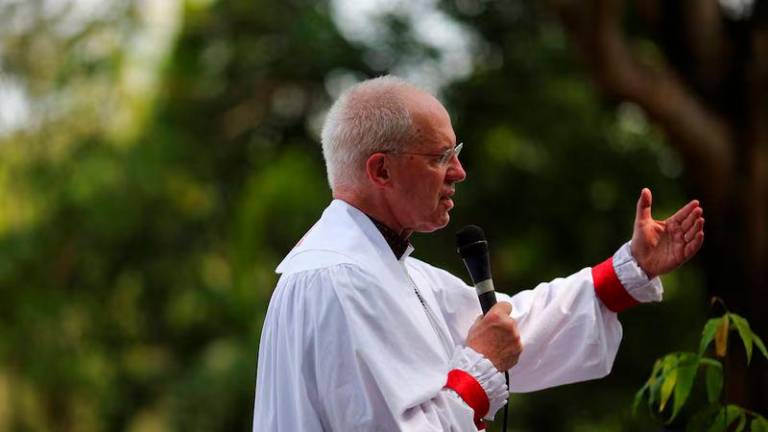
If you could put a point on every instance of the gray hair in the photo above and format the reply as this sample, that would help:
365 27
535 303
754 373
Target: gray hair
370 116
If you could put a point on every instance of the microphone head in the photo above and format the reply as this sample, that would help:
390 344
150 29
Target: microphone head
468 235
470 240
474 251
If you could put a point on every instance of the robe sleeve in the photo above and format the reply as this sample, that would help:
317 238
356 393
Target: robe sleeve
331 358
568 327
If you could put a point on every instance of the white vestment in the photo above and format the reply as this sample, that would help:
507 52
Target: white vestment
357 340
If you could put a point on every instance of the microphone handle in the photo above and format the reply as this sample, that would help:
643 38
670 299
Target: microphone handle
486 294
487 300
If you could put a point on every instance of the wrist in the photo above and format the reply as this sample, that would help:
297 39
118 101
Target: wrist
641 286
479 368
641 262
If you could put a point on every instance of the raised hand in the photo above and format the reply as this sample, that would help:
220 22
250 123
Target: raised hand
661 246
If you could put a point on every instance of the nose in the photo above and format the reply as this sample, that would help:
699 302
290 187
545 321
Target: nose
455 173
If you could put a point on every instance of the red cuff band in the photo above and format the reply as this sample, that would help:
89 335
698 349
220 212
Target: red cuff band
471 391
609 289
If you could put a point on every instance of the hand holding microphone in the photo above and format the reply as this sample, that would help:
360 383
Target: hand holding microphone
495 334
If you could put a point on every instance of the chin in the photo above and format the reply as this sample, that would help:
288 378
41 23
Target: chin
442 222
435 225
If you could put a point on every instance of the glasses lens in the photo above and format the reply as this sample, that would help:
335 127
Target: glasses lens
450 152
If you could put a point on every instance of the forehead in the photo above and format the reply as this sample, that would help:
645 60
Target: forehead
431 121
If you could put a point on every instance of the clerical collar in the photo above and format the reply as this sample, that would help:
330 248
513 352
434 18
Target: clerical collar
396 242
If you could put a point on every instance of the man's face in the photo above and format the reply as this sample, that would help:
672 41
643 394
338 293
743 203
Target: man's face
421 186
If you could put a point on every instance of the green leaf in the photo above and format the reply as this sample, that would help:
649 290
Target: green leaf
725 417
759 424
760 345
639 397
721 337
655 382
686 374
742 421
742 326
703 418
670 379
708 334
714 379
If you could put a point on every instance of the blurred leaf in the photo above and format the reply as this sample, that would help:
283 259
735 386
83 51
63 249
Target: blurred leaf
669 377
745 333
759 424
655 382
702 419
721 337
742 422
714 382
708 334
639 397
760 345
725 418
688 364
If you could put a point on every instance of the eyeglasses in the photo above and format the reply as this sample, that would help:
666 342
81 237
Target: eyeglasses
441 158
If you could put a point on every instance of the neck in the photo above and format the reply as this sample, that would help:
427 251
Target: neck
375 206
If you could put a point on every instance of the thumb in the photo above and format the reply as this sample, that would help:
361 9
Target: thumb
644 205
505 308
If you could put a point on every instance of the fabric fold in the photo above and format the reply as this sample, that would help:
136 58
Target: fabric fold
486 374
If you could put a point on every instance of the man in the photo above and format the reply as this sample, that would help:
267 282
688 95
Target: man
359 336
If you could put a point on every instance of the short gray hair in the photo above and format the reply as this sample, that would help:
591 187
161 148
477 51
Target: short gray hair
368 117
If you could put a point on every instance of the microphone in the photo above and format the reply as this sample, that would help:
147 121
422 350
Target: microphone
473 248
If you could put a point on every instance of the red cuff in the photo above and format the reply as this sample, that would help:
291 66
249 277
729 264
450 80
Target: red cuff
471 391
609 289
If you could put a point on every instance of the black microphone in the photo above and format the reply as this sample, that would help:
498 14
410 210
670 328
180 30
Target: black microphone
473 249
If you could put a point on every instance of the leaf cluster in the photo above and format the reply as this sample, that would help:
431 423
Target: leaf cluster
673 377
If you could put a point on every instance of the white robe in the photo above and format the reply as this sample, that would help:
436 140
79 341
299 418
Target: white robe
347 344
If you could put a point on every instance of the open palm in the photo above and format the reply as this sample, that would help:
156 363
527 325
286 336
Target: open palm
661 246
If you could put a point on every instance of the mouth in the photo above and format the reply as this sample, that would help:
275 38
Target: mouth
446 198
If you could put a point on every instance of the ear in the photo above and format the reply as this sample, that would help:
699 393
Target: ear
377 169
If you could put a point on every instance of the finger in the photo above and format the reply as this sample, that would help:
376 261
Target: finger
694 246
695 229
504 308
684 212
691 233
644 205
692 217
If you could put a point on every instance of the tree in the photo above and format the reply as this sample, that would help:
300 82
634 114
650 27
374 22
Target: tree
141 224
700 72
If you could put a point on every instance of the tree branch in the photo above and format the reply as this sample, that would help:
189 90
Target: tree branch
702 22
703 139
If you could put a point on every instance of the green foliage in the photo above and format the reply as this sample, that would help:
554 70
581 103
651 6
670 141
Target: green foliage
726 418
720 326
169 166
714 380
673 378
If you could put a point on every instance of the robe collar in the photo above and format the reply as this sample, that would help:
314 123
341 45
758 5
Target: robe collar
344 234
396 242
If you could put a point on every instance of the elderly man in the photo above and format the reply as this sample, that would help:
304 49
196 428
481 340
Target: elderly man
360 336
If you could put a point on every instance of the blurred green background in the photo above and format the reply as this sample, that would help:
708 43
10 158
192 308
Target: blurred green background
159 157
